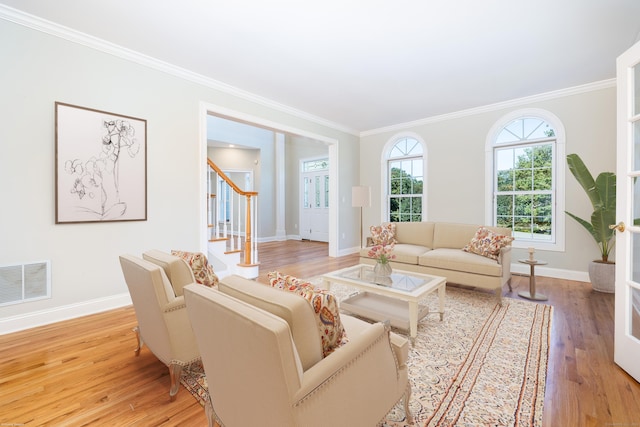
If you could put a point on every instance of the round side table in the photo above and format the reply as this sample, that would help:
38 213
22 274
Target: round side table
532 295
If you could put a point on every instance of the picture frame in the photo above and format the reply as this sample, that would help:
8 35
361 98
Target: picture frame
100 166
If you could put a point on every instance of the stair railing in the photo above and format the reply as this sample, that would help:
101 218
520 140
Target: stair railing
226 203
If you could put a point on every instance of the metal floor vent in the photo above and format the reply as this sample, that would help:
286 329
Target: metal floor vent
25 282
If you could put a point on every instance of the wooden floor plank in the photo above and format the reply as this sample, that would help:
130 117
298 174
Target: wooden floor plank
83 371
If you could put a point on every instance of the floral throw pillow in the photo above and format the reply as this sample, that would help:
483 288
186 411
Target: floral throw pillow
384 234
325 307
199 264
487 243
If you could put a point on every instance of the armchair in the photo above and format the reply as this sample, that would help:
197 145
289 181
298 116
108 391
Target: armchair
256 374
163 322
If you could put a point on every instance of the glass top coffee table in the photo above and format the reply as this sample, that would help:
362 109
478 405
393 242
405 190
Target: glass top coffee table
394 298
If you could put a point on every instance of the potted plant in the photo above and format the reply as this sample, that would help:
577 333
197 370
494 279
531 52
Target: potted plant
602 194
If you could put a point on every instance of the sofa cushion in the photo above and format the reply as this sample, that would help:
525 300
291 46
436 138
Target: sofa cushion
458 260
325 307
288 306
177 270
415 233
487 243
202 271
404 253
384 234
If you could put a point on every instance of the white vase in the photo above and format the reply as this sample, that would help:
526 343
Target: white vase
602 276
382 270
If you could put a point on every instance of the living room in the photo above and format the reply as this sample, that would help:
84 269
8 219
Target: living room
44 63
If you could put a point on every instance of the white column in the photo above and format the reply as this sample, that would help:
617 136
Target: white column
281 232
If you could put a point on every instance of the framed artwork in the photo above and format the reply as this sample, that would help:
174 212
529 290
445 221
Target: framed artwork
101 166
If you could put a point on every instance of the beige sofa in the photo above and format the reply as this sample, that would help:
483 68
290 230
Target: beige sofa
436 248
262 345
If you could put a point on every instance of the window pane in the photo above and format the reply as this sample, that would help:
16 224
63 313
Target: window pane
505 205
541 205
307 184
542 179
505 180
326 191
523 205
636 87
505 221
524 180
636 145
317 191
635 197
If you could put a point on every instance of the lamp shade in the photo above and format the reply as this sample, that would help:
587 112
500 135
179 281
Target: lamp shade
360 196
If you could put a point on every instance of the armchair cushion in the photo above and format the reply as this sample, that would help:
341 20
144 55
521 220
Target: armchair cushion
325 308
177 270
288 306
202 271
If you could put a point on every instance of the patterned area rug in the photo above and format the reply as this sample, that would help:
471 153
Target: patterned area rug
483 365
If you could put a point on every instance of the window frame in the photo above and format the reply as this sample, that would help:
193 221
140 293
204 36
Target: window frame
384 167
559 169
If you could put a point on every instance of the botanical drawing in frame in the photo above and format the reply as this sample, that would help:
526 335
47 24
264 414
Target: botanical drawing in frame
101 166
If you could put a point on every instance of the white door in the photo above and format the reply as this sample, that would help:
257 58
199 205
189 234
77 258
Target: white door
627 305
314 209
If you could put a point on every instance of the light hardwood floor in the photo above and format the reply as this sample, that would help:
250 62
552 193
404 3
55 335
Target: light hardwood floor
83 371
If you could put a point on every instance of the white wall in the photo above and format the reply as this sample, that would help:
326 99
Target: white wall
456 168
39 69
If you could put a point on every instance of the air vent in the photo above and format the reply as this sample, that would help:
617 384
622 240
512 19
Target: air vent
25 282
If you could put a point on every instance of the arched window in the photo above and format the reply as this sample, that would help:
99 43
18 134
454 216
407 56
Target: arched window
526 152
404 175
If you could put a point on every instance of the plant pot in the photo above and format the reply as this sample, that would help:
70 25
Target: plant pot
603 276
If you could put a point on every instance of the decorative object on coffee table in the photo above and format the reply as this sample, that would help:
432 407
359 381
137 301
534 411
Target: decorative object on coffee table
382 269
382 254
532 294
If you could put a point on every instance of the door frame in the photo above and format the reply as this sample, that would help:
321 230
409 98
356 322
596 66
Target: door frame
332 143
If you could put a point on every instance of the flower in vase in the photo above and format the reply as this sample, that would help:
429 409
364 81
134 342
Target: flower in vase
383 253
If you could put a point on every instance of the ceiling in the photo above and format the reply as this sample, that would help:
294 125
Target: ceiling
368 64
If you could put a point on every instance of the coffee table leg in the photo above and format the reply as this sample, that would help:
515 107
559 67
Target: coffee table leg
413 319
326 284
441 293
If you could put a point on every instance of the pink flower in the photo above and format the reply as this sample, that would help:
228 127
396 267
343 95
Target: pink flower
383 253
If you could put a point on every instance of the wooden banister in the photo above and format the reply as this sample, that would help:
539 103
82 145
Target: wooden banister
248 242
228 180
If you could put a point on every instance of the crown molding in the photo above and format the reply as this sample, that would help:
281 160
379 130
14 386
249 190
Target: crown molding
36 23
589 87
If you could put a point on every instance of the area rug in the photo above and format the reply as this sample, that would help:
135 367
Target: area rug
483 365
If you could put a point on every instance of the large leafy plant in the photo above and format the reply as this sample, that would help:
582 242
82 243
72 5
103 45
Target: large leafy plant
602 194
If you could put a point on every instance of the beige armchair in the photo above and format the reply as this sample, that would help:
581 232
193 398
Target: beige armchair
163 322
261 371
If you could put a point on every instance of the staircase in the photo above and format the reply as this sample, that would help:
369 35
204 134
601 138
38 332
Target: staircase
231 215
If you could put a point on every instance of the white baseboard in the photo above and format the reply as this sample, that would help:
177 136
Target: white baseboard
556 273
71 311
58 314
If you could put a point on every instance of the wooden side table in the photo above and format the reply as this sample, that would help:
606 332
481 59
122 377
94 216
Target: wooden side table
532 295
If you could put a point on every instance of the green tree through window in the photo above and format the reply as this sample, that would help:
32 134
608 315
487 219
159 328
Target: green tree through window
524 179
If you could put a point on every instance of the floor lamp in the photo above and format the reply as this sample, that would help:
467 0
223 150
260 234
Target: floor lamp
360 198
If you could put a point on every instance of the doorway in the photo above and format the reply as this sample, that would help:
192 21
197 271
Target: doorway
331 143
314 199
